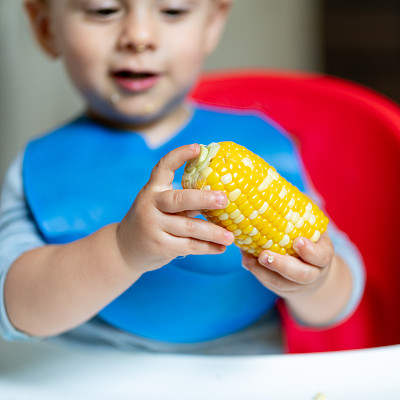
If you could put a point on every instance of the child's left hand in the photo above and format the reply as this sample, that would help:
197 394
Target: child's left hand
289 276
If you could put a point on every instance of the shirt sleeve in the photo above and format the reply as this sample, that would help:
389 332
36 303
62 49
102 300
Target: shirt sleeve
350 254
18 234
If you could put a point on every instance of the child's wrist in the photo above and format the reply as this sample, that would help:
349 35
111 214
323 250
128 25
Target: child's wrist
119 258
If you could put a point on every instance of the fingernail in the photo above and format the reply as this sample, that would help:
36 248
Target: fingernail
299 243
229 237
220 199
266 259
222 248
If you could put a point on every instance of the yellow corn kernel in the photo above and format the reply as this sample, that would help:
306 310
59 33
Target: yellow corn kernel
244 224
217 186
264 211
231 208
263 239
232 227
215 213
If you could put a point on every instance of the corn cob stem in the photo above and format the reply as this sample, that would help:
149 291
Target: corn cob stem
264 211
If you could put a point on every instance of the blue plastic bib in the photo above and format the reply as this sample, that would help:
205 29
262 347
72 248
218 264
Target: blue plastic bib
84 176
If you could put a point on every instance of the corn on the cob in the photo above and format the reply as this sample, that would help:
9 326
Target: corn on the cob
264 211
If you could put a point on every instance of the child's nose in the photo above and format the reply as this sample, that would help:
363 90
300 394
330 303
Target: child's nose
138 34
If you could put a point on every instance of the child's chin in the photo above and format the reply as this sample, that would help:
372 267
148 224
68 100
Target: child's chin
140 118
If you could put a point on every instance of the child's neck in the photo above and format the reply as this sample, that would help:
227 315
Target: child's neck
156 132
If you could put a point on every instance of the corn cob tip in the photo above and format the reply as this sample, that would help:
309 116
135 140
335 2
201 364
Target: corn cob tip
194 167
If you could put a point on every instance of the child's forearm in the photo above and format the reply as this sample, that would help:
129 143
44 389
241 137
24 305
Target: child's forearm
54 288
328 300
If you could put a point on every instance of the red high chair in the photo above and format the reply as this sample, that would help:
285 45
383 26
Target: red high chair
349 138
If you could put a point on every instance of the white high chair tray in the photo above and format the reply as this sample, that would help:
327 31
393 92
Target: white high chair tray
42 371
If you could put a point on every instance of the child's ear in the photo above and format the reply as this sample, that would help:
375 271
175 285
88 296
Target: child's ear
39 17
216 24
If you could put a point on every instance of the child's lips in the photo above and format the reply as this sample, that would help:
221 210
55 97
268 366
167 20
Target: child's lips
135 81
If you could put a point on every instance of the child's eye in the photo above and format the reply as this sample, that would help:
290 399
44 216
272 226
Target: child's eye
174 12
105 12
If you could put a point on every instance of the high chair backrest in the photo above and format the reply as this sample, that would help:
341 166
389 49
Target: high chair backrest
349 138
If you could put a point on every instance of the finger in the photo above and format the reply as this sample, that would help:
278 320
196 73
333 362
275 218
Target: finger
191 246
319 254
163 173
289 267
191 214
198 229
269 278
174 201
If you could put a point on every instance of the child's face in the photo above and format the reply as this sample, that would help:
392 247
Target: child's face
133 60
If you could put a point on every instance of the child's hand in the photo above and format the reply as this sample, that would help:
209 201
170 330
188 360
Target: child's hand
288 276
159 226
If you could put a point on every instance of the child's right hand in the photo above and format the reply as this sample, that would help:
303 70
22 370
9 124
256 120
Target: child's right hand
159 226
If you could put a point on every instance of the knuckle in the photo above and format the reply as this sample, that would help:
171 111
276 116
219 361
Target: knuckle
177 197
206 198
200 199
217 233
156 169
278 266
144 195
304 274
276 282
161 203
191 225
145 215
193 246
156 243
161 163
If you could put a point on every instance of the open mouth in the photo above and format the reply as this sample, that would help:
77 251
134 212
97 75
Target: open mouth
135 81
125 74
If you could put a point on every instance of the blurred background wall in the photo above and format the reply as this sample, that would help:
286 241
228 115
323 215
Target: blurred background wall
35 94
